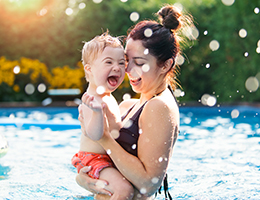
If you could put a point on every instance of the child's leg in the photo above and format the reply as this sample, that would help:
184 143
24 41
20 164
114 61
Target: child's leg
118 185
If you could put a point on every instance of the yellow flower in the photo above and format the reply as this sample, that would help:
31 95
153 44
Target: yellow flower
16 88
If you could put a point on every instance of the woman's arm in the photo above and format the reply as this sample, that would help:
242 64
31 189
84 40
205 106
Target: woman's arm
146 171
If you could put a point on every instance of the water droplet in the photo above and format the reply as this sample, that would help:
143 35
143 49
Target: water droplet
235 113
69 11
208 100
97 1
142 190
148 32
179 6
257 50
41 87
214 45
82 5
145 68
124 1
100 90
134 16
115 133
242 33
246 54
17 69
179 59
100 184
205 32
191 32
146 51
207 65
140 131
134 146
126 96
108 152
128 124
256 10
155 180
252 84
29 88
177 92
160 159
228 2
42 12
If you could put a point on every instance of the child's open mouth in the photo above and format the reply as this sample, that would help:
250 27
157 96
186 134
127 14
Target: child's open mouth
113 80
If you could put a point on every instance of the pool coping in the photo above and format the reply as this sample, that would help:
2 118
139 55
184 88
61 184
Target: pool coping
73 104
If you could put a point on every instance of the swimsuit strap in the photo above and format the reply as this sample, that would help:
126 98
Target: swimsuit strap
166 189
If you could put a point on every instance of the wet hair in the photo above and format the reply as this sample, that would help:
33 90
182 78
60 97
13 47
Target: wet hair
164 41
93 48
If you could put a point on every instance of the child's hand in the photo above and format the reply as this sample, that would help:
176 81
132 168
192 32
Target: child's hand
91 102
112 120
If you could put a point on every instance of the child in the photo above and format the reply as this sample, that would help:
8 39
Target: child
104 66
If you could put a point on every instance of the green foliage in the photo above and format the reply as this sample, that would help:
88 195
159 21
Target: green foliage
229 68
44 31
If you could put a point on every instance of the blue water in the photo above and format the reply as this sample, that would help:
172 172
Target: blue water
216 156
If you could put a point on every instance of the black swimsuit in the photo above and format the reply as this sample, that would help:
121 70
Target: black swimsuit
129 135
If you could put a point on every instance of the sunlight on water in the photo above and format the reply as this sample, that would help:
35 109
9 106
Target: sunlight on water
215 156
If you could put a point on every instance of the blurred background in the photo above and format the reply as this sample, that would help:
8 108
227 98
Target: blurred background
41 42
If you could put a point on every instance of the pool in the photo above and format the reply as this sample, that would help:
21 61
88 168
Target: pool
216 155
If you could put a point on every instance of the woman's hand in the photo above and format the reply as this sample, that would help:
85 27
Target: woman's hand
96 186
112 120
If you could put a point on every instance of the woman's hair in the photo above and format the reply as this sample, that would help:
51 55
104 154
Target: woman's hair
164 39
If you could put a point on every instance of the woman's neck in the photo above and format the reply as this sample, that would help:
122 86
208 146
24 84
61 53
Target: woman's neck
151 93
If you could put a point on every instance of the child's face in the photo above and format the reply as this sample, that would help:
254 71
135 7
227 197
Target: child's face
108 70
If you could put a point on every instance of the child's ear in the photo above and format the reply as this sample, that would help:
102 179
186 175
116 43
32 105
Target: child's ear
87 67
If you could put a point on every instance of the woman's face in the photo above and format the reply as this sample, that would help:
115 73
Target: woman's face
142 68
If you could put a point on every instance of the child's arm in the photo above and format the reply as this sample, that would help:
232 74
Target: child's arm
92 111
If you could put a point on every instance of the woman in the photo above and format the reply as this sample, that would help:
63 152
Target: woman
144 148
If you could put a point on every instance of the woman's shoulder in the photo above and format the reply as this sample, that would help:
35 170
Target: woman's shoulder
164 105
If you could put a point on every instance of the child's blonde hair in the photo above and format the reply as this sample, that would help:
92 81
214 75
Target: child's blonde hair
96 46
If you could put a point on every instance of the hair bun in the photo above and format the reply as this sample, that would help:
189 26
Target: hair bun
169 16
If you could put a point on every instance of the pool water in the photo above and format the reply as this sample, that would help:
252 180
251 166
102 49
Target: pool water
216 155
